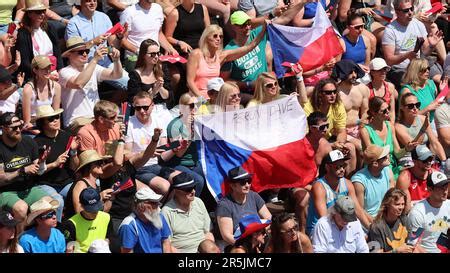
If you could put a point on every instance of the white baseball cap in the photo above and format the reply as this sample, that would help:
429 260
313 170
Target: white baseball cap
214 84
378 64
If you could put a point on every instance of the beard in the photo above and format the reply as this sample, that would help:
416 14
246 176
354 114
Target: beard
154 217
16 137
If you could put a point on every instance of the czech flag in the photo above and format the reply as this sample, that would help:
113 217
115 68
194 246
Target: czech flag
266 140
310 46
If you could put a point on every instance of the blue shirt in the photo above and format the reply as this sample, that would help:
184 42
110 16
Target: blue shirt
374 188
31 242
143 237
87 29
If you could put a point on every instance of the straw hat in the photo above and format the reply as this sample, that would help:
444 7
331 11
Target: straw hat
44 204
34 5
90 156
74 43
44 111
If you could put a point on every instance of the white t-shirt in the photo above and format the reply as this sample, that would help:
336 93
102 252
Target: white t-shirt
142 24
433 220
141 135
43 44
9 105
404 38
79 102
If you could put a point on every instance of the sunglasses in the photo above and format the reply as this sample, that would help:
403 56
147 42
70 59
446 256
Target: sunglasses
39 11
385 111
423 70
237 95
139 107
322 127
413 105
153 54
215 36
271 85
14 128
244 182
329 92
48 215
53 118
407 10
84 51
111 118
358 26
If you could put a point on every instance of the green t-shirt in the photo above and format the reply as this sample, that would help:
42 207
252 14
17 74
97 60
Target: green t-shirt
248 67
425 95
175 129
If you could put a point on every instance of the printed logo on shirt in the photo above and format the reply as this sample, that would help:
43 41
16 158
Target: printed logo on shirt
440 224
414 186
17 162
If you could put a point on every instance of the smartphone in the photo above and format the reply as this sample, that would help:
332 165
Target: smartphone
419 43
11 28
413 237
170 146
110 49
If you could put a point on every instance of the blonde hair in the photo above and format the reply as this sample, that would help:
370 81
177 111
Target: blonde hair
259 86
105 108
411 76
209 30
222 98
392 195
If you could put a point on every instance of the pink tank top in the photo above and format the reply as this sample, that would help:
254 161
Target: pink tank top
206 72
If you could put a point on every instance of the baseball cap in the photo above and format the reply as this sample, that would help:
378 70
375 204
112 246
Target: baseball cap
238 173
7 220
334 156
41 62
437 179
147 194
375 152
421 152
346 208
239 18
4 74
90 199
215 84
183 181
6 118
378 64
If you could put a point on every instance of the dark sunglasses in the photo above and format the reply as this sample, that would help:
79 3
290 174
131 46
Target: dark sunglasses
322 127
343 166
111 118
245 25
413 105
82 52
271 85
244 182
38 11
139 107
423 70
358 26
153 54
329 92
215 36
53 118
188 190
14 128
407 10
385 111
48 215
192 106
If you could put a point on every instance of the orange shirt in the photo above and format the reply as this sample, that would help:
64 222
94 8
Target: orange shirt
93 139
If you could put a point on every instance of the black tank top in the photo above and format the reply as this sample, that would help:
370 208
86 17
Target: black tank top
69 209
190 25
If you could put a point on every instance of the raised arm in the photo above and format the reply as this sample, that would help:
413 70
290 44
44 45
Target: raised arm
233 54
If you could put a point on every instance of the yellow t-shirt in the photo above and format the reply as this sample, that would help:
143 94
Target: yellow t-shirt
336 116
6 8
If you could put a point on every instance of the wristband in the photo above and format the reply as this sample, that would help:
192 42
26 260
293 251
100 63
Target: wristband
121 141
61 20
299 78
178 43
